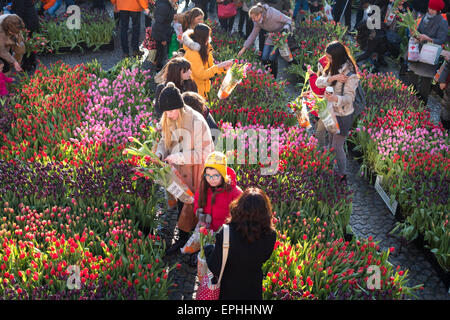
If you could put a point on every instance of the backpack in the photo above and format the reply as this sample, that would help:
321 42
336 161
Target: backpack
359 104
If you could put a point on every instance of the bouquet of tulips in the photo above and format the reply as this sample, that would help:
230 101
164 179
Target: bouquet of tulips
37 43
151 167
408 21
234 76
299 107
280 42
206 237
391 12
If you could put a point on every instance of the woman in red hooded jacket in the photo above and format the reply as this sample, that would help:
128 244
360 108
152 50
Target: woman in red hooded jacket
217 190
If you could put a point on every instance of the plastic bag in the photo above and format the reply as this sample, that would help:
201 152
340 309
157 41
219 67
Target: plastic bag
192 245
430 54
303 117
413 50
173 45
329 120
228 85
175 185
328 12
285 53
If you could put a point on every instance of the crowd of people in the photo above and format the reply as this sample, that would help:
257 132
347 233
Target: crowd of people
184 80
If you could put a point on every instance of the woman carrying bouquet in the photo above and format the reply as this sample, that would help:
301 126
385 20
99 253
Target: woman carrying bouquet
178 71
271 20
203 67
341 75
252 240
185 143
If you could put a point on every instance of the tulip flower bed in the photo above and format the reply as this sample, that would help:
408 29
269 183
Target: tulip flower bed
227 46
399 142
95 33
115 260
66 202
320 266
311 260
259 85
115 110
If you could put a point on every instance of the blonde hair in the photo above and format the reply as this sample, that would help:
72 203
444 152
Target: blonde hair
256 10
169 126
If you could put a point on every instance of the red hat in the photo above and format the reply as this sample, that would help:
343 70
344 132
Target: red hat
437 5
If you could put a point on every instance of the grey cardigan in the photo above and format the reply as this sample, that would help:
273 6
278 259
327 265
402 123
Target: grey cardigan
273 21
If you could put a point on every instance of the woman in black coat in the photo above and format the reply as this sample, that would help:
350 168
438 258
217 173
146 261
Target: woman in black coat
26 10
252 240
162 29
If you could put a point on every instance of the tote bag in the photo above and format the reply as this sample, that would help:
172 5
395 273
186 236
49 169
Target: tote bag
430 53
208 290
225 11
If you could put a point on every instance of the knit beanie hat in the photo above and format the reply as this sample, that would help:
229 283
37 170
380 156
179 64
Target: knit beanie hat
218 161
437 5
170 98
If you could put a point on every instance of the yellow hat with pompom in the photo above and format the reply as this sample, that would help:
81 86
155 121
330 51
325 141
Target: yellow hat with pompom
218 161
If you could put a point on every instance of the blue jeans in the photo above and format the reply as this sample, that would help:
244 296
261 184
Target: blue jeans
124 17
300 3
266 53
52 10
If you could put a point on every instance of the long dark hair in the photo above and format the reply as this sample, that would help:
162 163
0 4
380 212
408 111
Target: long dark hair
201 36
204 186
252 212
172 72
340 54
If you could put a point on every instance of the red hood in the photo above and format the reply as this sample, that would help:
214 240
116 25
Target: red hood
232 176
323 61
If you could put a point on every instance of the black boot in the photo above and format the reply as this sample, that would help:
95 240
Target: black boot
274 66
182 239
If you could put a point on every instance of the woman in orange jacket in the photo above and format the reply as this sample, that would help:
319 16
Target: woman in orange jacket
202 64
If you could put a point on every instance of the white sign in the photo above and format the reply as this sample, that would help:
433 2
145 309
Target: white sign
392 206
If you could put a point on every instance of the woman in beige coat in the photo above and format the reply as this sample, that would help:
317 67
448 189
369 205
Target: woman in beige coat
341 74
186 142
11 39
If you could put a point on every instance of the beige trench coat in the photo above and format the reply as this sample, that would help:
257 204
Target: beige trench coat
193 150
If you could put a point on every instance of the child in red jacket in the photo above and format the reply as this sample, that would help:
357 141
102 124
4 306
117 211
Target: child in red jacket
3 81
217 190
313 76
320 132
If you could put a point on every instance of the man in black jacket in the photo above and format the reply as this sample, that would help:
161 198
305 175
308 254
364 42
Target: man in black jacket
162 29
